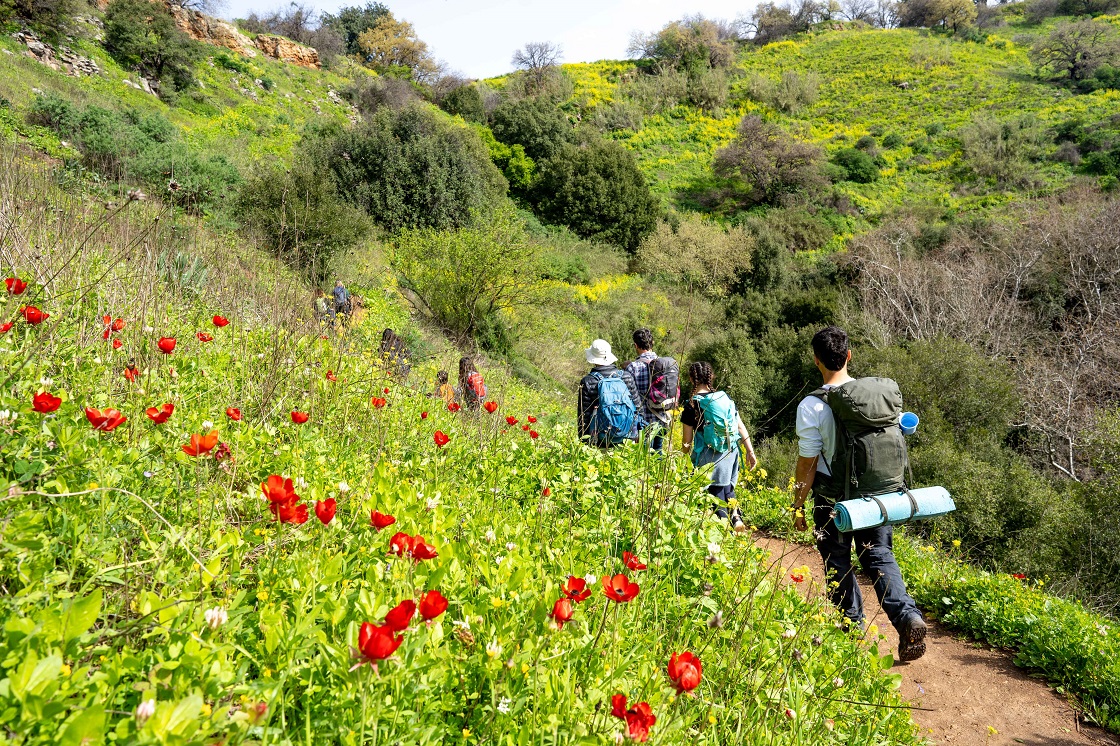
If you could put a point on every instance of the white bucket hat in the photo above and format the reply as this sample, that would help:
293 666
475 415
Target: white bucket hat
599 353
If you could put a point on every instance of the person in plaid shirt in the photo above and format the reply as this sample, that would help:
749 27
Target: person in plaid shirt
639 369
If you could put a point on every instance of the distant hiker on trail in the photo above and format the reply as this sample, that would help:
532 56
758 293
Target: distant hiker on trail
608 407
394 354
323 310
443 388
341 297
471 390
713 432
837 436
658 383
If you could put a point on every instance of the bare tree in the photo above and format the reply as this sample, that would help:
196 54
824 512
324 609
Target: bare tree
1076 49
858 10
539 61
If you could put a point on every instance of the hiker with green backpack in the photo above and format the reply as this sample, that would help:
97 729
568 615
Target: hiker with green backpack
713 433
851 445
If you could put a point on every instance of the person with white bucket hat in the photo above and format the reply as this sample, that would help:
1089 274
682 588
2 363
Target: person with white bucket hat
609 406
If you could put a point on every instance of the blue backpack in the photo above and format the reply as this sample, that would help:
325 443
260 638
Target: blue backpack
721 421
613 418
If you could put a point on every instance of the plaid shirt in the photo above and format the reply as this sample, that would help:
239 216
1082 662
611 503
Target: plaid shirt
640 370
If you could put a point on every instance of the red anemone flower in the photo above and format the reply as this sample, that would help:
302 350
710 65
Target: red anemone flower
386 390
562 611
531 419
797 577
276 489
117 325
15 285
400 544
33 315
620 588
421 550
378 402
5 327
381 520
453 407
200 444
117 344
525 428
632 562
106 420
546 492
299 417
441 439
534 434
639 718
576 589
684 671
491 406
233 413
331 376
166 345
45 402
131 373
400 615
324 510
290 512
423 415
511 420
377 643
432 604
1018 576
160 415
220 321
204 337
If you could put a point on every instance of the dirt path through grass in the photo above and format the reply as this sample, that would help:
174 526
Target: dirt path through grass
970 694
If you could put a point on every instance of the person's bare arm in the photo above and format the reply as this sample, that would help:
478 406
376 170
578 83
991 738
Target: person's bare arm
803 484
748 446
687 434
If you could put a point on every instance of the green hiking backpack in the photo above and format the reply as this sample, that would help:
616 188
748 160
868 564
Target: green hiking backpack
871 456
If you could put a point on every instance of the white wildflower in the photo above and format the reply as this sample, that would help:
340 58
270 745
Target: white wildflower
838 682
504 705
789 634
207 425
343 487
464 624
498 560
591 578
490 535
714 548
493 649
431 503
145 710
216 617
510 546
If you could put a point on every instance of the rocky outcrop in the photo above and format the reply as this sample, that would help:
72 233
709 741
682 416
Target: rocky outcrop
64 59
209 30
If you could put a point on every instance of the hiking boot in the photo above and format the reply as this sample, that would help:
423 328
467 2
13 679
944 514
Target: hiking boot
912 639
737 522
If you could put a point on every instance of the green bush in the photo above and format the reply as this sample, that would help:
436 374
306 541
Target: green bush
792 92
518 168
735 363
1004 152
466 101
143 37
598 191
534 124
856 165
892 141
49 18
410 169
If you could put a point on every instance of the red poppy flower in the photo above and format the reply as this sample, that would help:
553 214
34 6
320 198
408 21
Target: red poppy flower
561 611
534 434
290 512
106 420
639 718
576 589
620 588
423 415
400 615
432 604
200 444
381 520
531 419
233 413
220 321
331 376
546 492
491 406
421 550
378 402
45 402
525 428
632 562
117 344
797 577
111 326
117 325
105 334
453 407
1018 576
325 509
166 345
5 327
160 416
33 315
377 643
299 417
441 439
400 544
15 285
131 373
276 489
511 420
204 337
684 671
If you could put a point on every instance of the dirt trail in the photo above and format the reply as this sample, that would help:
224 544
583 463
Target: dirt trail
971 694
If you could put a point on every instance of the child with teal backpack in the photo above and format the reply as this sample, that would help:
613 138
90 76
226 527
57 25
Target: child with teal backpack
714 433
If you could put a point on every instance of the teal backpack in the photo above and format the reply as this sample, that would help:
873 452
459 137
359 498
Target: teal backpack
720 430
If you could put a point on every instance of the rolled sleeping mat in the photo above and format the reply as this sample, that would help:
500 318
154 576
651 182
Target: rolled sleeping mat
892 508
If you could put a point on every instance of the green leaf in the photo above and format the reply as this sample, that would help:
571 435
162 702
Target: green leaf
80 616
85 729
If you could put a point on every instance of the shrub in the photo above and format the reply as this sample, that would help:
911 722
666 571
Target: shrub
1075 48
351 21
697 254
691 45
142 36
466 101
48 17
534 124
409 169
656 94
767 165
598 191
856 166
297 213
733 359
617 116
791 93
1003 152
708 91
50 110
518 168
892 141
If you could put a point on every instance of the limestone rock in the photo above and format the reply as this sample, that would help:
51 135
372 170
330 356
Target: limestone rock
287 50
201 27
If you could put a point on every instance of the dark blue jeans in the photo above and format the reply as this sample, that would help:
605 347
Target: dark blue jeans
875 551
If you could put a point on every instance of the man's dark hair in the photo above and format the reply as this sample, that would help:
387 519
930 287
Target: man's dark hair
831 346
643 339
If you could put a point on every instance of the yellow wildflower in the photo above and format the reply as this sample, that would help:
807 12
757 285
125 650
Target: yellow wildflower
206 710
66 669
956 542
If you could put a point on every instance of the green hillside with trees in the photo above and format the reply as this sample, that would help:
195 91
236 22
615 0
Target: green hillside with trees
939 177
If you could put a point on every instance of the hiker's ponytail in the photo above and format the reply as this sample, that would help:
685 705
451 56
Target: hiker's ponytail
702 373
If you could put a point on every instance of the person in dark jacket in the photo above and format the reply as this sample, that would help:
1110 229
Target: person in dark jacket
602 362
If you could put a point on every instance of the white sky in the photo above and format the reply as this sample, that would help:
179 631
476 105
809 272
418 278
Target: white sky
478 37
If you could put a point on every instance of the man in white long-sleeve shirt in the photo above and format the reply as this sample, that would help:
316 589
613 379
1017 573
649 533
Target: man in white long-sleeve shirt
817 472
